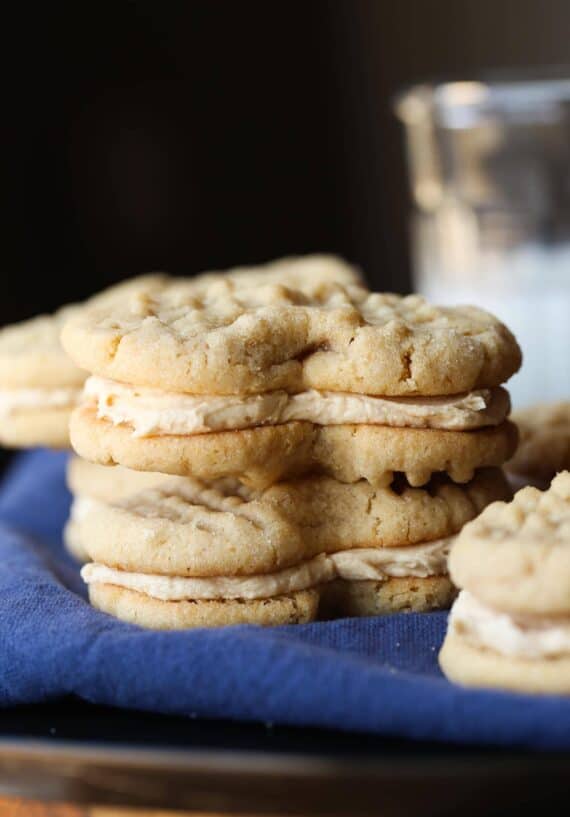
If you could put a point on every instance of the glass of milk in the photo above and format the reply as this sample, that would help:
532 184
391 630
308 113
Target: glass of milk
490 174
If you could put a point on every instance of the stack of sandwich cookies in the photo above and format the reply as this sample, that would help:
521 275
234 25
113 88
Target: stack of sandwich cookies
189 554
510 625
270 376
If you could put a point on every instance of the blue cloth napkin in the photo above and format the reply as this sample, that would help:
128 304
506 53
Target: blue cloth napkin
372 675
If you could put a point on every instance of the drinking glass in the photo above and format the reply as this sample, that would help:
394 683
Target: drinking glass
489 165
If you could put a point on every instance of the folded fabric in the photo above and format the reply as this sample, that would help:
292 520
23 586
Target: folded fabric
372 675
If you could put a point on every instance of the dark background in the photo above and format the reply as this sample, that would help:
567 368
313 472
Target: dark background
203 134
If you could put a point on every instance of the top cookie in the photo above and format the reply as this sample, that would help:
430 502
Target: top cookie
516 556
289 327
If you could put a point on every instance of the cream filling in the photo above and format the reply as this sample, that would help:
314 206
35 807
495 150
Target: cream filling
377 564
14 401
82 506
151 412
529 637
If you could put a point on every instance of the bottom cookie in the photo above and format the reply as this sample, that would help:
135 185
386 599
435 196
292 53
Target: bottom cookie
47 427
474 666
137 608
337 599
396 595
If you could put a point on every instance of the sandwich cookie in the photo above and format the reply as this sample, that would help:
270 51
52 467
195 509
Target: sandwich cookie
544 447
181 554
39 384
289 375
510 626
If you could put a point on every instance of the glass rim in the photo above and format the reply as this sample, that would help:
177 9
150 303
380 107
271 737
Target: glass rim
520 96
